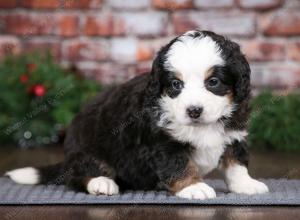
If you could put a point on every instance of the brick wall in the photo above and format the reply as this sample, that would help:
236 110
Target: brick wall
114 40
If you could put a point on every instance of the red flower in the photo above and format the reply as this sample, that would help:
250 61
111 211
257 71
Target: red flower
31 67
39 90
24 78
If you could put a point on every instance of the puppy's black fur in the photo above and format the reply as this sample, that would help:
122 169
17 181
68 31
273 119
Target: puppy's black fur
116 135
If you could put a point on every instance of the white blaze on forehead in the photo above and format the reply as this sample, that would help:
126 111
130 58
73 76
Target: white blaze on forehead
193 56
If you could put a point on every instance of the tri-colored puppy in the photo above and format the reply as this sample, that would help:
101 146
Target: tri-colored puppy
163 130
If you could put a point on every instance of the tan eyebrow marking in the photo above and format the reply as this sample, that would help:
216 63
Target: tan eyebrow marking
179 76
209 73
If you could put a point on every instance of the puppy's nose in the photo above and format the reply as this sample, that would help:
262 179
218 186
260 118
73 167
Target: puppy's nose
194 111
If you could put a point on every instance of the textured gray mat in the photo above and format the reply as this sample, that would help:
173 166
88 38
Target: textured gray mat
282 192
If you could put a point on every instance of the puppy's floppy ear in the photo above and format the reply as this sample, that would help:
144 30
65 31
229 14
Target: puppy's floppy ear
154 86
240 69
158 72
242 85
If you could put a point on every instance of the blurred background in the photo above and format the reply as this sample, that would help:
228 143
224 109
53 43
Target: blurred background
56 54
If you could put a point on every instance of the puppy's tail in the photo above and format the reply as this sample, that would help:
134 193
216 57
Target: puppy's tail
29 175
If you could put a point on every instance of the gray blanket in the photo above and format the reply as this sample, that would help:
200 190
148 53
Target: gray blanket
282 192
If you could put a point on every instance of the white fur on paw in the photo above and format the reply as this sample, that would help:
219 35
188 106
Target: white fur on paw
248 186
102 185
197 191
26 175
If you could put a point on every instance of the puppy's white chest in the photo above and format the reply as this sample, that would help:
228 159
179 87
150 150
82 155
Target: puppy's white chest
209 148
212 146
208 158
209 142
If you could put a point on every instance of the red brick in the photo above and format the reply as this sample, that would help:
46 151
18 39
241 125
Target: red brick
214 4
292 4
144 53
263 51
81 4
293 51
2 24
29 24
276 76
232 24
40 4
131 51
103 25
146 49
129 4
9 45
8 3
183 23
43 45
96 50
259 4
145 24
68 25
143 67
283 24
173 4
107 73
124 50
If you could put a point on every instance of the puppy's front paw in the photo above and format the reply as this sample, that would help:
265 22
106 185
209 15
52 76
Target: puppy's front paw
102 185
197 191
248 186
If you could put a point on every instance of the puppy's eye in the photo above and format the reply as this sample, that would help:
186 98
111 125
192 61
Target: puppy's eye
213 82
177 84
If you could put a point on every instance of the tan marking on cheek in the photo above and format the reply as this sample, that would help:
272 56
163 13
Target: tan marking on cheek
229 96
189 176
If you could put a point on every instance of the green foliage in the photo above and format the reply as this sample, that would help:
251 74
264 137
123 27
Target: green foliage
275 122
38 99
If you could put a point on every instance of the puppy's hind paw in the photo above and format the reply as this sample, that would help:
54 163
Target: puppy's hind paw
197 191
102 185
